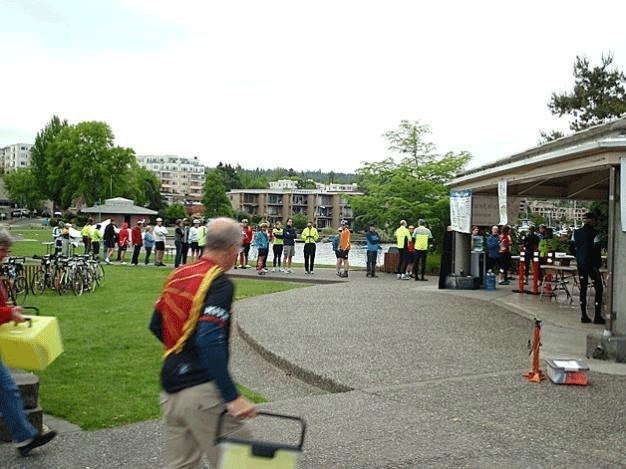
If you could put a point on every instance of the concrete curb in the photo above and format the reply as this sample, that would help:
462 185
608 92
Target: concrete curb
308 376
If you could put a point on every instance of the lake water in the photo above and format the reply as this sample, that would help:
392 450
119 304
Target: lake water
324 254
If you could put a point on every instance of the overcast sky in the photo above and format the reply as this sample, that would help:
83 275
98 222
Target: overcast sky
303 85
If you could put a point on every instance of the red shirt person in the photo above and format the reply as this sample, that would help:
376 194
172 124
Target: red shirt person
137 241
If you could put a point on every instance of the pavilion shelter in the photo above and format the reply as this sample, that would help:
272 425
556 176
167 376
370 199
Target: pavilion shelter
588 165
120 210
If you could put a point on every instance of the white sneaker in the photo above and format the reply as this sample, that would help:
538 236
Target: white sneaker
107 261
274 269
265 270
405 277
398 276
281 270
289 271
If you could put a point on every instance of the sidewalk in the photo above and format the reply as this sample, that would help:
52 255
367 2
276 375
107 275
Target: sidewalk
429 378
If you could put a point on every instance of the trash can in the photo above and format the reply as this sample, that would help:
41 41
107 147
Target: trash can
239 453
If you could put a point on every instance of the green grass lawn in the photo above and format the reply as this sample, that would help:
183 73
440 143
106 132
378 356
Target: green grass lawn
108 374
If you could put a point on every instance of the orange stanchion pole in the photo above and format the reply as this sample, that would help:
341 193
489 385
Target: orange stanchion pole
535 375
522 271
535 290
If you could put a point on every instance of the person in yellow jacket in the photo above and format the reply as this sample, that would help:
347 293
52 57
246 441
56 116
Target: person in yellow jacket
310 237
403 237
95 241
85 233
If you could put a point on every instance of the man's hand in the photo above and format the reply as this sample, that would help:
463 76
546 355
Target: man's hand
241 408
16 314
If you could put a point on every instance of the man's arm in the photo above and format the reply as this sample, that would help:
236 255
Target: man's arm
156 325
212 344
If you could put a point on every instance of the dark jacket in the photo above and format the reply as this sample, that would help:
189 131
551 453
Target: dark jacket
289 235
586 241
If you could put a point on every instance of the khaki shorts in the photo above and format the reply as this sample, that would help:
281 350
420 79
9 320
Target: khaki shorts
189 423
289 251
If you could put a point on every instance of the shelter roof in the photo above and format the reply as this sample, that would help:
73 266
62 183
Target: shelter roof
572 167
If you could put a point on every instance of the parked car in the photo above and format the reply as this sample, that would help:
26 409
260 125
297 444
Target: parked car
20 212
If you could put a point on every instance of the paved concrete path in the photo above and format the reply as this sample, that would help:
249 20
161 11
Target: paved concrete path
429 378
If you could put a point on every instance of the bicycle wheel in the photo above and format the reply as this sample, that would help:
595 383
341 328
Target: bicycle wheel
90 281
98 274
20 290
59 280
39 282
77 282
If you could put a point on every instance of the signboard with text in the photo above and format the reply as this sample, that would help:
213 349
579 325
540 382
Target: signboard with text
486 209
461 210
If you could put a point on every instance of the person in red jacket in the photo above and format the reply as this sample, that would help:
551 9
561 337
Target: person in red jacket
23 433
122 243
246 233
137 241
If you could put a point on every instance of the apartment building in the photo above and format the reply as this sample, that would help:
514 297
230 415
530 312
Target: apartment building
182 179
554 213
325 208
16 156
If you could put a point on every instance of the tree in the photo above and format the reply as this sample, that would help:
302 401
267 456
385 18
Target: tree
22 188
598 96
230 176
300 221
215 200
143 187
82 162
38 157
407 139
174 212
411 189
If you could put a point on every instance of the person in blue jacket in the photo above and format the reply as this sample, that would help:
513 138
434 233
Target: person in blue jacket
335 246
373 246
493 250
262 243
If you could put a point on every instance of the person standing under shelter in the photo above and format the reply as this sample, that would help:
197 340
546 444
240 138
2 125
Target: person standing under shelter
160 234
587 248
423 239
136 240
531 245
192 319
493 250
309 236
25 436
403 236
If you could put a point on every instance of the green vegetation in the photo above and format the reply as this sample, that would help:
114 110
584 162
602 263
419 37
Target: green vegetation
81 162
598 96
109 372
410 189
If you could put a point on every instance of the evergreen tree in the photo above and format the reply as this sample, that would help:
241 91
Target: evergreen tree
215 200
599 96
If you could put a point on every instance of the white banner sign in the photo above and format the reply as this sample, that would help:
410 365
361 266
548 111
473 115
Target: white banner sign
461 210
502 202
